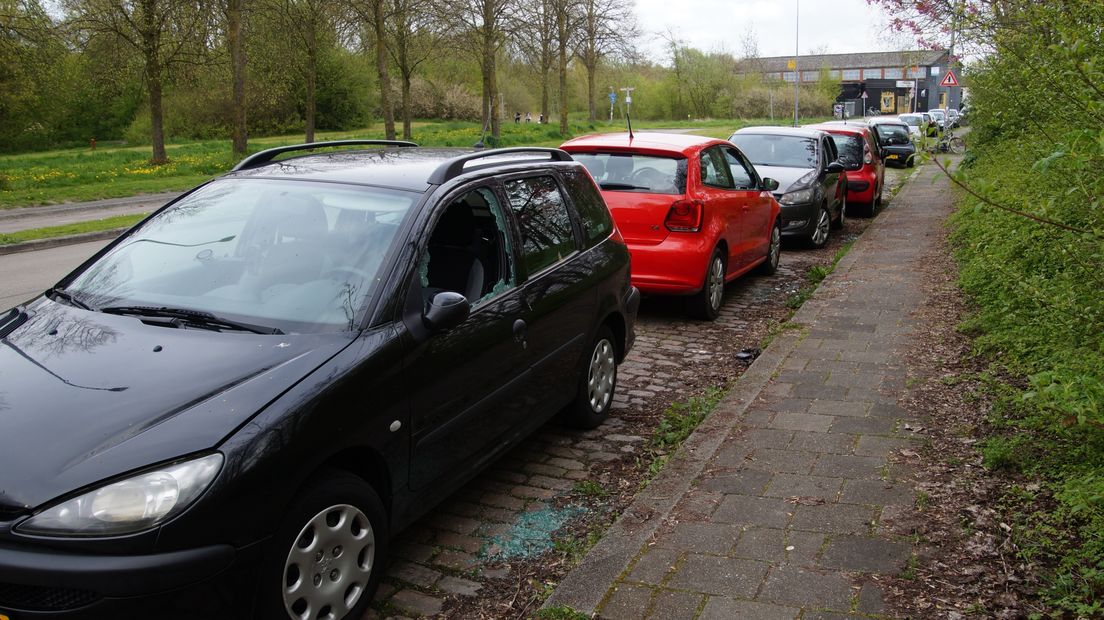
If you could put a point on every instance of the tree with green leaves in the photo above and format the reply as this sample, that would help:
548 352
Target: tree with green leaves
605 27
165 34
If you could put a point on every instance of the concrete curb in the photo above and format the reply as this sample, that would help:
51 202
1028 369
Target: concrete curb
54 242
16 213
584 588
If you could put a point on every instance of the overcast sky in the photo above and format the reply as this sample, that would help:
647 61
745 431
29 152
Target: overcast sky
837 26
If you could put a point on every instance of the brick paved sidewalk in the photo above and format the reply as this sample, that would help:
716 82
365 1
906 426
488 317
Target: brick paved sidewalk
777 505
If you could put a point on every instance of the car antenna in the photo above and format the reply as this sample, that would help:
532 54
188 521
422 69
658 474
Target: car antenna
628 120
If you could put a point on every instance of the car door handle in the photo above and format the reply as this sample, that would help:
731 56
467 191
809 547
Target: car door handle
520 332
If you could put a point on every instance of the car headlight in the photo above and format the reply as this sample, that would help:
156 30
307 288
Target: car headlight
798 196
131 505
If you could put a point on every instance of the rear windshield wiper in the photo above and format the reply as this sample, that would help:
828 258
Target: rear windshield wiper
621 186
60 293
193 318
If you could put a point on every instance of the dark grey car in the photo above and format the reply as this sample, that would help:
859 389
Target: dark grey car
812 183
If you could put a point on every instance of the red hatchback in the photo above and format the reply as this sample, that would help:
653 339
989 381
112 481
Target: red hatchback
860 155
693 211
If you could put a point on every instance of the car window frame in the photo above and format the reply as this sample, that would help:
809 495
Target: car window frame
523 273
715 151
738 155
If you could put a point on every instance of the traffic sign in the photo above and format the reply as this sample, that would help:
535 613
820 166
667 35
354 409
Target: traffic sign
949 80
613 97
863 95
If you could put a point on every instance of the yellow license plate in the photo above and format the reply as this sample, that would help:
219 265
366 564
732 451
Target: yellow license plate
891 157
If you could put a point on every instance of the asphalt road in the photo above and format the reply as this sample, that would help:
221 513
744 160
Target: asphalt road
26 274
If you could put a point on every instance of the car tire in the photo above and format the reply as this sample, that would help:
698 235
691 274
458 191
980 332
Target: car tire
336 529
706 304
774 251
841 220
819 236
597 383
911 161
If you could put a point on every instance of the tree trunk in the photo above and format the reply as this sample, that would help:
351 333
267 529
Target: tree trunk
406 116
561 29
151 50
592 68
312 78
236 44
386 107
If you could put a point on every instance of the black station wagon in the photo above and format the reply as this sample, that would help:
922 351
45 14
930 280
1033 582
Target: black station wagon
230 409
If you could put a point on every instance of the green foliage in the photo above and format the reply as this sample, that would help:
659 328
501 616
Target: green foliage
680 419
560 612
1036 283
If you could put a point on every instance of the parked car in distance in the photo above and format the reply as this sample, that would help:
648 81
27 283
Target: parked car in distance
693 210
812 182
952 117
862 158
916 124
940 117
932 128
894 140
230 409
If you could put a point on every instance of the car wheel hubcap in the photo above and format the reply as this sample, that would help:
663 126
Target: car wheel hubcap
775 246
716 283
600 376
329 565
820 235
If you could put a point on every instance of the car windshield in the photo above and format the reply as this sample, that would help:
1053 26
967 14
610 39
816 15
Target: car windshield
911 119
778 150
629 172
850 149
893 134
291 255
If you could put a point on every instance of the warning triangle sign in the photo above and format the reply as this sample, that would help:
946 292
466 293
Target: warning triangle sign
949 80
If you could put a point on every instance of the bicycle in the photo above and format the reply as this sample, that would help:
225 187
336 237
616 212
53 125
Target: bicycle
949 143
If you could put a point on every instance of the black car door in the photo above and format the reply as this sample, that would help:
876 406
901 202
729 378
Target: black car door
559 292
465 382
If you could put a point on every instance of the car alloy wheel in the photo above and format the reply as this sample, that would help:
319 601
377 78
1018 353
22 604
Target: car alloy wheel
706 304
774 251
716 282
601 375
597 383
820 233
842 219
330 564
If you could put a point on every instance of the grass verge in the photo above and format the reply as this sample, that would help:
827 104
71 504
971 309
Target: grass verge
65 230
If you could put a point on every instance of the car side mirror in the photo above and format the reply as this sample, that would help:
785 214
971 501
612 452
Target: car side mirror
446 310
835 168
769 184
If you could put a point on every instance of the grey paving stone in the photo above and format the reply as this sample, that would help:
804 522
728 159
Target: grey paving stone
743 482
414 574
626 602
819 391
807 547
871 599
824 442
854 379
733 454
720 608
878 493
768 437
698 505
866 554
415 602
792 405
834 518
673 604
803 485
847 466
456 585
888 410
653 566
840 407
720 576
799 586
757 419
714 538
774 460
762 543
829 615
866 425
802 422
873 445
747 510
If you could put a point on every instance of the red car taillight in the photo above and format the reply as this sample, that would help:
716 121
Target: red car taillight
868 157
685 216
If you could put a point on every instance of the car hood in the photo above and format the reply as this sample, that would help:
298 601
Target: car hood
85 396
786 177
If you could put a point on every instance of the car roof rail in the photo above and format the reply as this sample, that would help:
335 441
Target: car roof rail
263 157
455 166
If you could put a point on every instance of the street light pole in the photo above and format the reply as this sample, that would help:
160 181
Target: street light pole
797 53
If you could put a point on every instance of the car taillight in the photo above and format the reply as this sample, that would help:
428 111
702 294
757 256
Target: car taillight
868 158
685 216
